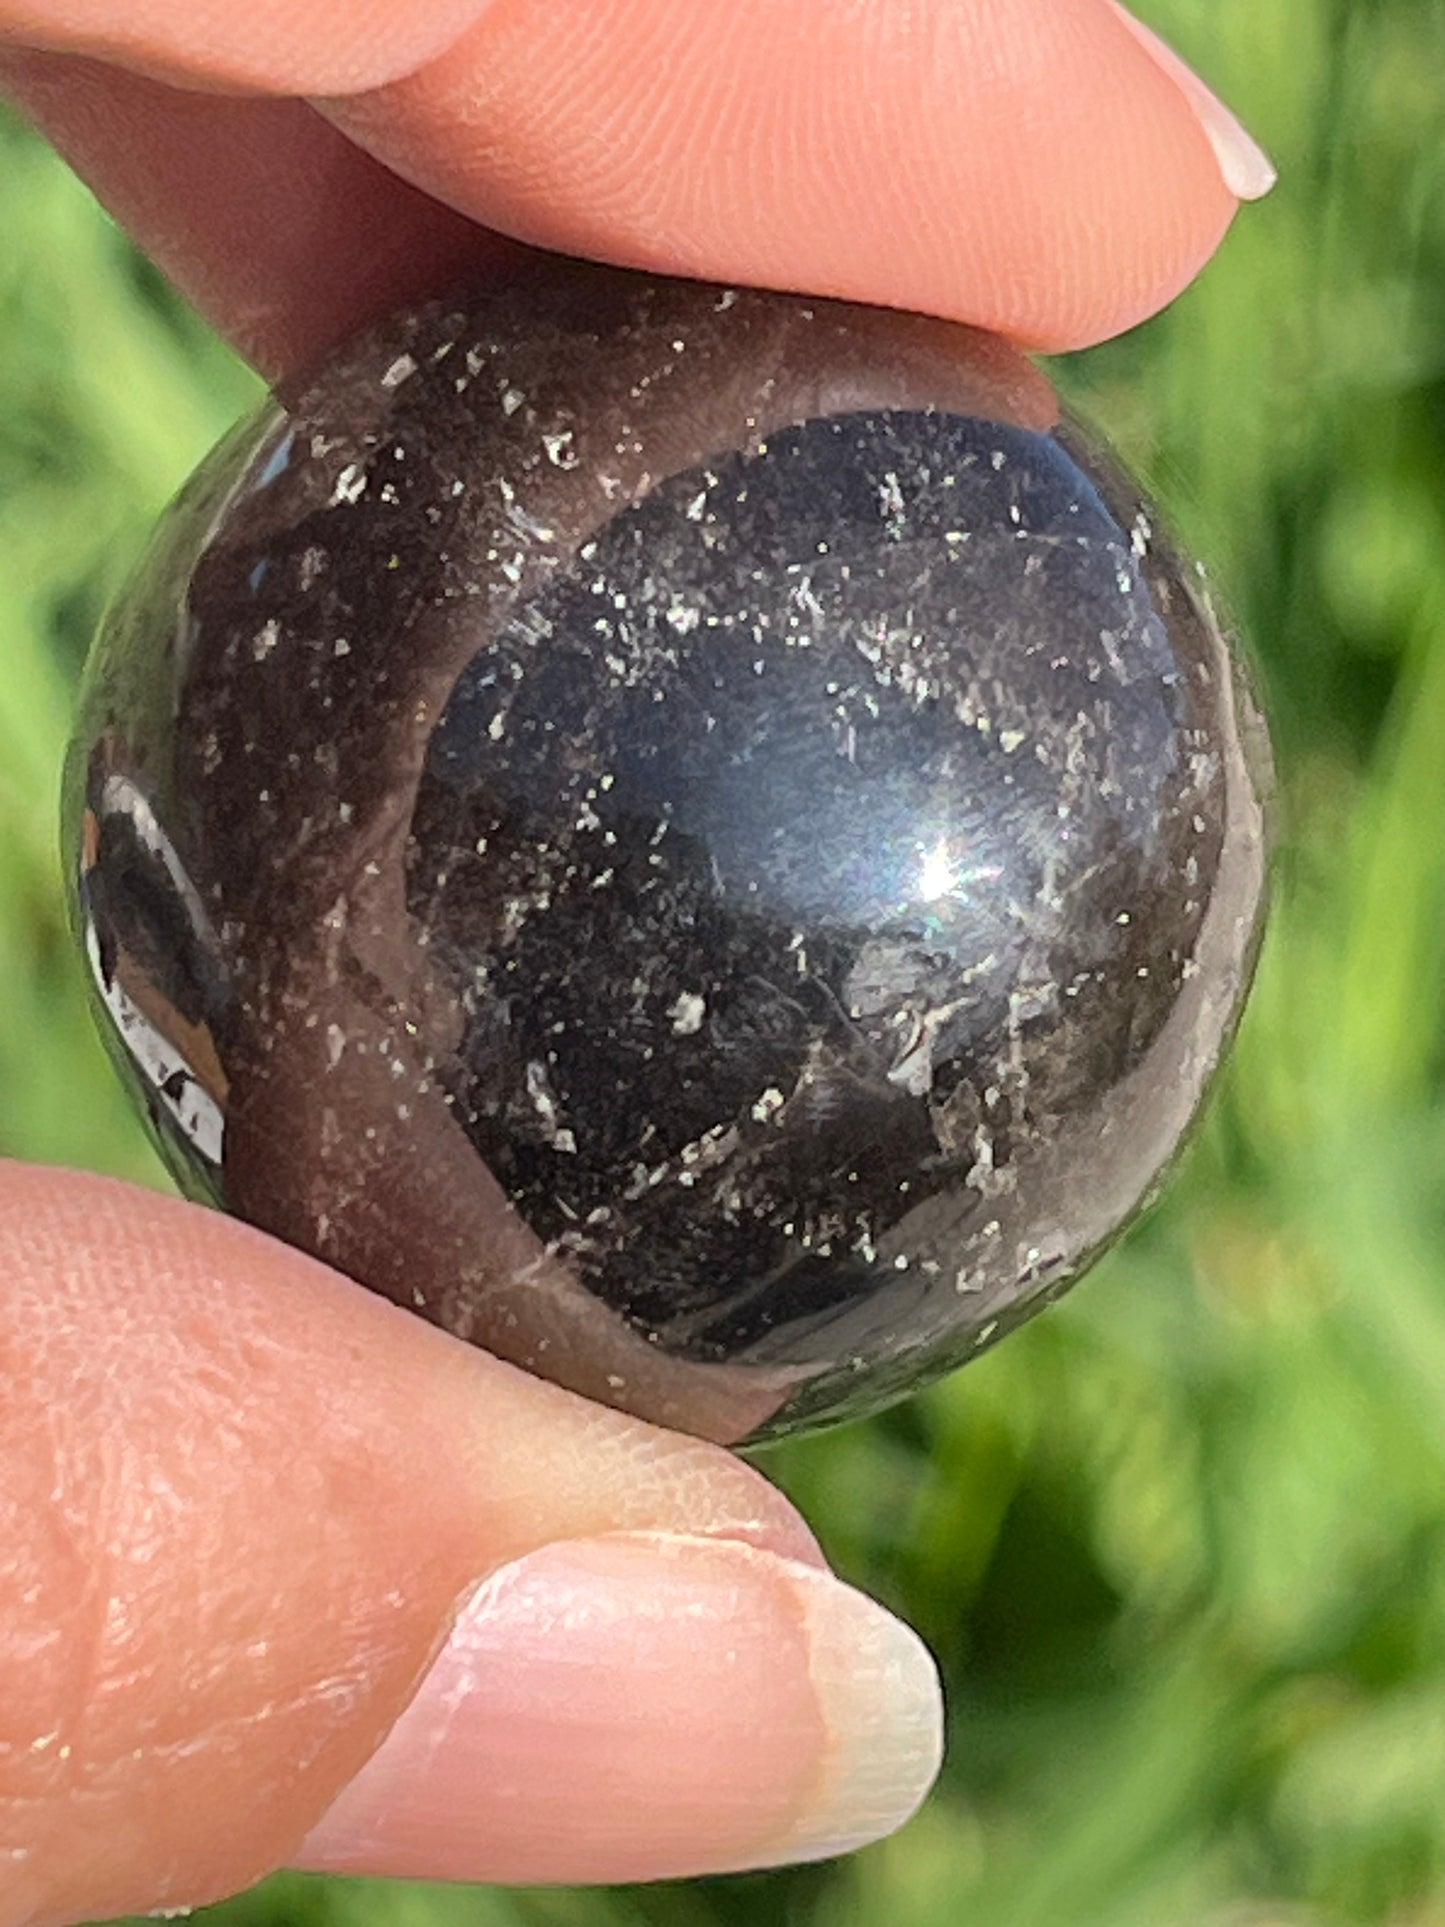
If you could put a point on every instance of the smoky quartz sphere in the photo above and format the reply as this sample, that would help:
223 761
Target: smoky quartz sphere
698 839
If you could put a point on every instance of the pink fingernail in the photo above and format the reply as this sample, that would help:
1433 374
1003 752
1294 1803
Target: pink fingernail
1248 171
645 1706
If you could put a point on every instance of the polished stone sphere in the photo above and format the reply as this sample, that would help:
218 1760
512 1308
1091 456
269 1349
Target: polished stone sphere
699 839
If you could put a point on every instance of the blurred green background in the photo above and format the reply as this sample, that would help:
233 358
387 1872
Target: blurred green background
1180 1546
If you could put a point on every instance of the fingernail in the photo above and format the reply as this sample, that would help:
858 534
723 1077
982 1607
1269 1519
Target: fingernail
1248 171
645 1706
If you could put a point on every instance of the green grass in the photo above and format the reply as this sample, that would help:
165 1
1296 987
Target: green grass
1181 1545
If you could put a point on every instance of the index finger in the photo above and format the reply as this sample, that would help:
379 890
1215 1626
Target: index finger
1045 172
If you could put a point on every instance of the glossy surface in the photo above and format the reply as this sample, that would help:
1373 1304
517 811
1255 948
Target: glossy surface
695 838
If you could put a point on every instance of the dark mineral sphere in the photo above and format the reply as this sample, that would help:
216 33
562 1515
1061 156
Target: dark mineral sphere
698 839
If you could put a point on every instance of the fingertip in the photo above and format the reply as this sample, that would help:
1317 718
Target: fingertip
1049 172
1035 171
641 1707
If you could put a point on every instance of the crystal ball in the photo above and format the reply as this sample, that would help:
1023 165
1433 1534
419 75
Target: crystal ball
699 839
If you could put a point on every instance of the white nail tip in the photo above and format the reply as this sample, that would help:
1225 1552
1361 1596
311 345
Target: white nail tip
1248 171
879 1694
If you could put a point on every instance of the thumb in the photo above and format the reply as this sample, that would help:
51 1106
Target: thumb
278 1561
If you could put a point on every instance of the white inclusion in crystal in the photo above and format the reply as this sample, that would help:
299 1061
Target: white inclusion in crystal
350 484
544 1102
687 1013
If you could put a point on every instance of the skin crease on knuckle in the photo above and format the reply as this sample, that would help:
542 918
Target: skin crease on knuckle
214 1628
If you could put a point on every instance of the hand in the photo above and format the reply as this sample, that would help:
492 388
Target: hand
285 1575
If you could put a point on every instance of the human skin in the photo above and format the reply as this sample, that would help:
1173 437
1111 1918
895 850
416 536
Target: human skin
285 1575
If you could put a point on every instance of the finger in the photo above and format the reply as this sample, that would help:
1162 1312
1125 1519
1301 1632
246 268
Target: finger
607 1705
1034 170
282 232
1043 171
241 1505
269 45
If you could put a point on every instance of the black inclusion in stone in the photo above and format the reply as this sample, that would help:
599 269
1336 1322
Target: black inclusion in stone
699 840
